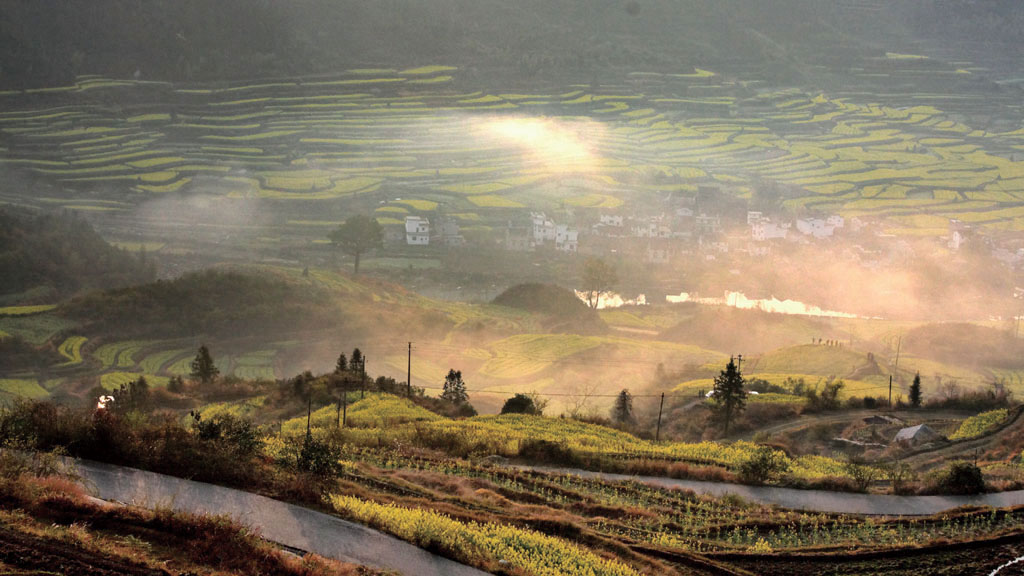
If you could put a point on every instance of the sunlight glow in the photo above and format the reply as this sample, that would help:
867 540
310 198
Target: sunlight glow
558 145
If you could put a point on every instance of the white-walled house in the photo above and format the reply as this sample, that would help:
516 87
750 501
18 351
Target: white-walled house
763 230
612 220
417 231
543 228
818 227
566 239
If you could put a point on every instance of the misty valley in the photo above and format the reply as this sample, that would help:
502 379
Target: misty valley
535 288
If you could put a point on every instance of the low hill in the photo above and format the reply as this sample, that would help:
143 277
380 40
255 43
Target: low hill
965 344
746 331
818 360
45 257
50 43
213 302
563 311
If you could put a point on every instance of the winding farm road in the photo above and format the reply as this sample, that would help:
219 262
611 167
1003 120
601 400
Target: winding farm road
286 524
812 500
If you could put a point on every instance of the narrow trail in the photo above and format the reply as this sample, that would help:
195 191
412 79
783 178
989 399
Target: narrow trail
811 500
285 524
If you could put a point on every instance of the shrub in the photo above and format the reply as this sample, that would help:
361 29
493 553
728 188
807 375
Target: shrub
238 433
520 404
763 465
546 451
960 478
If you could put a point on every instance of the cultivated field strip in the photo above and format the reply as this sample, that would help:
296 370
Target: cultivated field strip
917 160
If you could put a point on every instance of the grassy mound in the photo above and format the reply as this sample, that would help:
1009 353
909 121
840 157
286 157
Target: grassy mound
564 312
218 303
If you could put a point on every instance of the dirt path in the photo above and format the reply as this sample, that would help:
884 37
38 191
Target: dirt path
285 524
847 417
813 500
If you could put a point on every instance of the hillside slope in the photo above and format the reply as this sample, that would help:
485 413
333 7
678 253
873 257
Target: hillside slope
44 257
192 40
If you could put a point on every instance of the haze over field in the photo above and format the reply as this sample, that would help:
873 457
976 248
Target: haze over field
359 255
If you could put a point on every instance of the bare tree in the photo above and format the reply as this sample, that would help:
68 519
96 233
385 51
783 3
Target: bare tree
598 279
579 397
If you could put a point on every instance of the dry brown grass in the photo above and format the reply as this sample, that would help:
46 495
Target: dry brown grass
57 509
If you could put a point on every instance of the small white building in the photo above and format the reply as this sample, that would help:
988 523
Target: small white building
764 230
611 220
566 239
920 434
543 228
818 227
652 228
417 231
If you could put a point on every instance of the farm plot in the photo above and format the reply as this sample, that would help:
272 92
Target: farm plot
17 388
114 380
330 138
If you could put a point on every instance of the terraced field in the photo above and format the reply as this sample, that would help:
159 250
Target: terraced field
915 161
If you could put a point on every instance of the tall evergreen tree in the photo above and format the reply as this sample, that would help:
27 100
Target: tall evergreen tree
342 365
454 388
729 396
915 391
622 411
203 368
355 364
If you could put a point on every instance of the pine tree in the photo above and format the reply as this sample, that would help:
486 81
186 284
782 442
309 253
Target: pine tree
729 397
454 388
203 368
342 366
622 411
356 363
915 391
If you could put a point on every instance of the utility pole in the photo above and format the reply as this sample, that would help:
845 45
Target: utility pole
408 373
739 363
362 380
657 433
895 368
309 413
344 402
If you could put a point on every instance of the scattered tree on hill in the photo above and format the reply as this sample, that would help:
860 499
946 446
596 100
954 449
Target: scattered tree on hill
598 279
622 411
729 397
358 235
132 397
357 363
454 388
203 368
342 365
915 391
520 404
176 385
